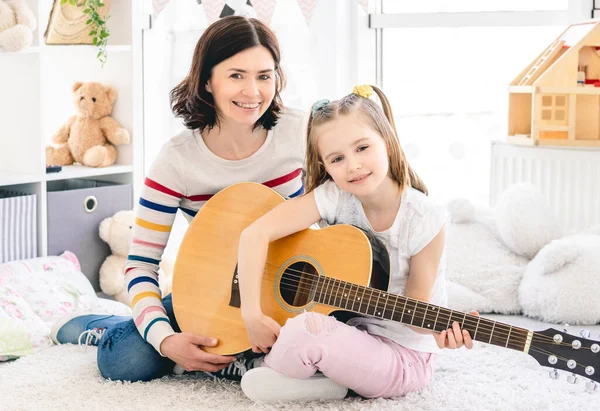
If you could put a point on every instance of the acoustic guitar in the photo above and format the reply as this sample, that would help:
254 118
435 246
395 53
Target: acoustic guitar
338 270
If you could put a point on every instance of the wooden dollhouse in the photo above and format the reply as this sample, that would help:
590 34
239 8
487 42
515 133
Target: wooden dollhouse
555 101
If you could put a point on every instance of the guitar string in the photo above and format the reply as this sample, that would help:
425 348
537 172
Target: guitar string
428 315
520 341
532 348
472 319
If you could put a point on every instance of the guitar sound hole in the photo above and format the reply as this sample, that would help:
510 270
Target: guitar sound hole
297 284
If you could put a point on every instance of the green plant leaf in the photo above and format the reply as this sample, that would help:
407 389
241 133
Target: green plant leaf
92 33
95 41
63 2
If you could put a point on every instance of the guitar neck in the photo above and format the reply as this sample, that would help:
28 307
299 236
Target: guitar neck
401 309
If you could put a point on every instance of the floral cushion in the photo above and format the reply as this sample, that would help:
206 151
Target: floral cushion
35 293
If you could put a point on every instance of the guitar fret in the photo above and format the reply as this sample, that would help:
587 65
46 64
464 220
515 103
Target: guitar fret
327 292
449 319
408 313
508 338
369 303
425 316
414 312
492 333
317 288
332 281
386 307
376 308
362 301
337 294
476 328
353 296
344 296
436 318
342 289
323 289
358 299
394 309
403 310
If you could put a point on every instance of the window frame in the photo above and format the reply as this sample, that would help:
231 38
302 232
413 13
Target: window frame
378 21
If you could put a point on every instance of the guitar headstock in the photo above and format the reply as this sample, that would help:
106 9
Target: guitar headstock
578 355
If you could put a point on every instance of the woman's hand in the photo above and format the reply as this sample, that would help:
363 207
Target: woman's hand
455 338
186 350
262 331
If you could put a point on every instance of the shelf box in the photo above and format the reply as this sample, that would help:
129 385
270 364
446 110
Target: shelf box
76 207
18 226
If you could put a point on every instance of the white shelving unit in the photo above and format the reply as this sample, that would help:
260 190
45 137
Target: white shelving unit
36 99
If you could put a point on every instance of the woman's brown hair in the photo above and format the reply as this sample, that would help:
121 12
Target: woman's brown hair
221 40
382 121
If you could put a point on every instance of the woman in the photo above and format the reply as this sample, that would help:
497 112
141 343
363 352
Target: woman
237 130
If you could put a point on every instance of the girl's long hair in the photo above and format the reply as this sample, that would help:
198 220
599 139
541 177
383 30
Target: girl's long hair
382 121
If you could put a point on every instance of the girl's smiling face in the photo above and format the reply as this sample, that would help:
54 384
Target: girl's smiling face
354 155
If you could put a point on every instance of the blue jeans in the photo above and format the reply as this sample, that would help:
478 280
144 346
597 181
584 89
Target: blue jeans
124 355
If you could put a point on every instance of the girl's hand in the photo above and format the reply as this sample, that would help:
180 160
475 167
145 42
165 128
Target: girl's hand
262 331
455 337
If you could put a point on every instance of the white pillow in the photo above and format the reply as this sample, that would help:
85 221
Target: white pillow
35 293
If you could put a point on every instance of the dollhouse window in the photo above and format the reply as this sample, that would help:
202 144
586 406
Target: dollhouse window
554 108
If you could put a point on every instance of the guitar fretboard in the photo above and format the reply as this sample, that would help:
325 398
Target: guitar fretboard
381 304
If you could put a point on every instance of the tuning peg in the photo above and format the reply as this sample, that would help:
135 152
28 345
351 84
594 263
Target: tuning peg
591 386
585 333
573 379
554 374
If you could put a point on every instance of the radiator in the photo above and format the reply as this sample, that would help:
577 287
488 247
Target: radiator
569 178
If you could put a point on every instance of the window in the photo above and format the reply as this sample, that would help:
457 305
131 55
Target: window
446 66
457 6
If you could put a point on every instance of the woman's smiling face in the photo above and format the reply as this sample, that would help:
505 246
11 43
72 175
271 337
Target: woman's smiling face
243 86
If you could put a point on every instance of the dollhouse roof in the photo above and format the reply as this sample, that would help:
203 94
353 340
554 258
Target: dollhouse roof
575 33
561 57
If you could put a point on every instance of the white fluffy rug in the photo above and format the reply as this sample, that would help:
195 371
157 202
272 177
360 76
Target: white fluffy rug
486 378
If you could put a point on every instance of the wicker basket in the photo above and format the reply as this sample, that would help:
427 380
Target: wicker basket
66 24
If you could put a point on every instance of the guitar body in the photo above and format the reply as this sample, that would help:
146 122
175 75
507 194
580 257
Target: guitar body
205 287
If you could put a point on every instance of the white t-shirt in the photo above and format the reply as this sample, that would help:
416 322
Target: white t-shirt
418 221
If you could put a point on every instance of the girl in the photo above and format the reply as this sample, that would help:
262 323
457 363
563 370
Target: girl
237 130
356 174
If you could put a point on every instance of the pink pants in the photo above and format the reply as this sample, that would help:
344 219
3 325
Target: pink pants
370 365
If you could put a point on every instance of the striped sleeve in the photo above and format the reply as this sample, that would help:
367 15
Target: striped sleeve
160 197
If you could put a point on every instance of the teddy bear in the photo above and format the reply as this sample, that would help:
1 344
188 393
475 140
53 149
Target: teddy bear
117 232
17 23
90 137
489 249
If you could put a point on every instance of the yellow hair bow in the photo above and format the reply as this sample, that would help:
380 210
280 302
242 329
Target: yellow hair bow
364 91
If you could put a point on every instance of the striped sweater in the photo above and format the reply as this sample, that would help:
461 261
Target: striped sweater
183 177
